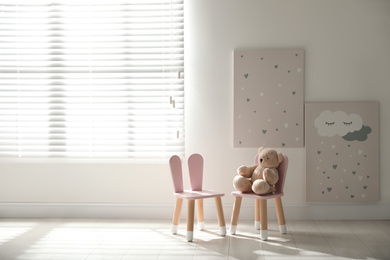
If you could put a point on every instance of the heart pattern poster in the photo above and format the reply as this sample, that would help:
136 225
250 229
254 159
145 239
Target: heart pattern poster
268 98
342 151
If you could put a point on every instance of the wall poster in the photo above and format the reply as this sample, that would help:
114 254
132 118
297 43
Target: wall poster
268 98
342 152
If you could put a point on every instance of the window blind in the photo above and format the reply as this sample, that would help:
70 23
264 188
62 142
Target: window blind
91 79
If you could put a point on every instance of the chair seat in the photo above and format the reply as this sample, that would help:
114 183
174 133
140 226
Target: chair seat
194 195
256 196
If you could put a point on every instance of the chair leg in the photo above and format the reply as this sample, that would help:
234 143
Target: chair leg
280 215
176 215
190 220
200 214
235 214
263 220
257 214
221 216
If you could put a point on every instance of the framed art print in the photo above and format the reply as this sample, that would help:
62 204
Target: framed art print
268 98
342 152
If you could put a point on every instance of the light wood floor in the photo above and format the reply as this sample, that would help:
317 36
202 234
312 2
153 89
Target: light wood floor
136 239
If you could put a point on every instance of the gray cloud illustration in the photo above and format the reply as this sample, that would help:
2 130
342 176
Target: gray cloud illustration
360 135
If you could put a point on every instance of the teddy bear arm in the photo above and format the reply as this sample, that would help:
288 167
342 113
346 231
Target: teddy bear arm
246 171
271 176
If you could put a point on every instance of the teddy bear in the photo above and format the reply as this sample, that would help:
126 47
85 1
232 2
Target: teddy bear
259 178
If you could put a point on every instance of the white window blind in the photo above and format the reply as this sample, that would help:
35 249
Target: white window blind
91 79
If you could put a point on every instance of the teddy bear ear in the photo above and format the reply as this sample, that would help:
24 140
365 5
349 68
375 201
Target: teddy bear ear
260 149
280 157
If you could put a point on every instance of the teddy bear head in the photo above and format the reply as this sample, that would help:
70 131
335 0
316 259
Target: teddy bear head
269 158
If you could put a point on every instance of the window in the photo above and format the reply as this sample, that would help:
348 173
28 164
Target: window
91 79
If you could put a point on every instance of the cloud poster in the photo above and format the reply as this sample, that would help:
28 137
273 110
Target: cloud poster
342 152
269 98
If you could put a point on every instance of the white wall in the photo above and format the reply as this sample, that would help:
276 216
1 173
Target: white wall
347 58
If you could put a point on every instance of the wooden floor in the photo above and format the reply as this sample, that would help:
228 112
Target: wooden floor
136 239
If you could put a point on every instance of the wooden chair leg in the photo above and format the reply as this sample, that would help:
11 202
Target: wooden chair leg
200 214
190 220
176 215
235 214
257 214
221 216
280 215
263 220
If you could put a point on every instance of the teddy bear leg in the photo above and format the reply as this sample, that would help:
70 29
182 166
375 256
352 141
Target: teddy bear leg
242 184
260 187
271 189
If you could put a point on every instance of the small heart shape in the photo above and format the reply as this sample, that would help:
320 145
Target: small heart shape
294 92
246 75
334 166
276 66
365 187
264 131
353 172
329 189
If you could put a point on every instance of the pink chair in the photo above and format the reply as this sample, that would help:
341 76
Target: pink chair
261 205
195 166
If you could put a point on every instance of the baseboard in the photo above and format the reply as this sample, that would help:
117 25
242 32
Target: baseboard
379 211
